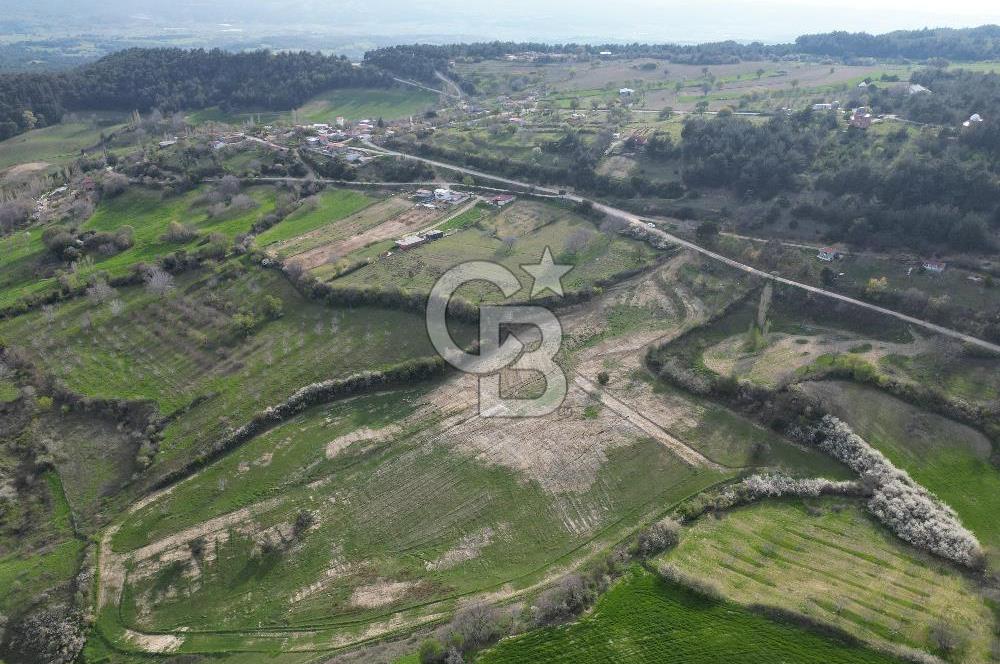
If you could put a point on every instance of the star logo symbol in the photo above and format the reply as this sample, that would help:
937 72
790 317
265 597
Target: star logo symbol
546 274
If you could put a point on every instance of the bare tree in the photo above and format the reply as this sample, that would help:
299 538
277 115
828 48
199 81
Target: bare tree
114 184
100 291
159 281
229 186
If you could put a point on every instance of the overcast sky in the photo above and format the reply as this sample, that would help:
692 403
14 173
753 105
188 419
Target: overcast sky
549 20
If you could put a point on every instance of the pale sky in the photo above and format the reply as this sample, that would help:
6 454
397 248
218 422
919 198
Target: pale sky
463 20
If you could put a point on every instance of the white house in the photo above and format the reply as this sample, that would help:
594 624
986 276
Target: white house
626 92
975 118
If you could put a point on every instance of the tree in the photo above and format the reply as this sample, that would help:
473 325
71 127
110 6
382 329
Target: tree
707 231
431 652
229 186
603 377
827 277
159 281
759 72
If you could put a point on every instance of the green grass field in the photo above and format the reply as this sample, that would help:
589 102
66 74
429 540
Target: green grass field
54 145
832 562
43 559
350 103
968 378
360 103
336 230
150 214
950 459
644 619
26 267
329 206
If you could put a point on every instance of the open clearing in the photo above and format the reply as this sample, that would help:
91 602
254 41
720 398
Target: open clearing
315 246
54 145
833 563
371 104
323 208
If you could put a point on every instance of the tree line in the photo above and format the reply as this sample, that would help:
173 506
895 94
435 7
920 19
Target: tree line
173 79
421 61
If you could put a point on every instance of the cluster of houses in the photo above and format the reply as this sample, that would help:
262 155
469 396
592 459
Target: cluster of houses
439 196
830 254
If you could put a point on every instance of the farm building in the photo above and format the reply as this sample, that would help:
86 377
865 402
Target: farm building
410 241
626 92
975 118
423 195
449 196
433 234
502 200
828 254
934 266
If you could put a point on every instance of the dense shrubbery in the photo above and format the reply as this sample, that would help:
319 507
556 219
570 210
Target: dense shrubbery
909 510
769 485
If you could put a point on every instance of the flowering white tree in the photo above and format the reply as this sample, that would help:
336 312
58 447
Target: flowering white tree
912 512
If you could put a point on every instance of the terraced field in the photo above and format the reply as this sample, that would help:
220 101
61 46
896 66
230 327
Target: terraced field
414 502
950 459
343 234
26 267
830 561
645 619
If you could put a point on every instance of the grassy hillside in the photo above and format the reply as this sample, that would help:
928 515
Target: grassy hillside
828 560
350 103
26 266
645 619
402 518
54 145
182 351
326 207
